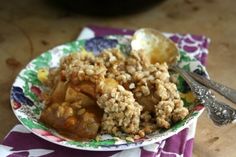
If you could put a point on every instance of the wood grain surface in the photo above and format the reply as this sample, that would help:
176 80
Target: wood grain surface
30 27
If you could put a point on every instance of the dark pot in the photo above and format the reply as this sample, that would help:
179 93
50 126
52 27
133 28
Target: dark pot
106 7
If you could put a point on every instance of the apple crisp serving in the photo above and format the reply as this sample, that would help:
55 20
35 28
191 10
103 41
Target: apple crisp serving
110 93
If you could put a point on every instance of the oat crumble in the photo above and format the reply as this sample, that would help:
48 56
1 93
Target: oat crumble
136 97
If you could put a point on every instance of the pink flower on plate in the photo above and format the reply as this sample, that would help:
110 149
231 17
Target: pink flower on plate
36 90
198 107
48 135
55 138
41 132
16 105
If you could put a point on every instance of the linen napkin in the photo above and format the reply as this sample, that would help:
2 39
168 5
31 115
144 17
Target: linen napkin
21 143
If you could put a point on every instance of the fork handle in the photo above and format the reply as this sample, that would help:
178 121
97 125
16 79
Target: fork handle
223 90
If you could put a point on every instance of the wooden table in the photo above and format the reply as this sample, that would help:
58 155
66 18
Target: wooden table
29 27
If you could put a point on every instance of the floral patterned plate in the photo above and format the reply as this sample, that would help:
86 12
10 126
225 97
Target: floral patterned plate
27 88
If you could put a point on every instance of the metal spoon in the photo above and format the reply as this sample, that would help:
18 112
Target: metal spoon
161 49
219 112
223 90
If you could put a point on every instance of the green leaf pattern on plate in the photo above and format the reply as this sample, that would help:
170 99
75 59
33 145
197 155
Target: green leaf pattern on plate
93 143
73 47
32 125
42 61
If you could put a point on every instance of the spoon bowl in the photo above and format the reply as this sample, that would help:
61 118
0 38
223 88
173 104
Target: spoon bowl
156 45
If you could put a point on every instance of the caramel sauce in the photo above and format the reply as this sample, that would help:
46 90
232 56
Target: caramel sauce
76 126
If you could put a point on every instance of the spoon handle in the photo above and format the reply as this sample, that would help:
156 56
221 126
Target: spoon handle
223 90
219 112
223 113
